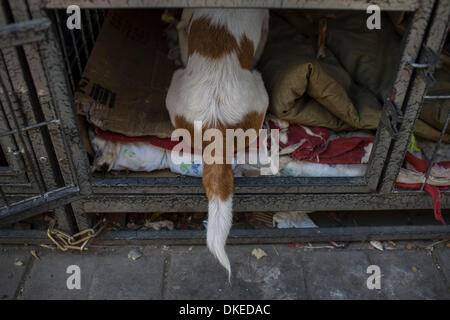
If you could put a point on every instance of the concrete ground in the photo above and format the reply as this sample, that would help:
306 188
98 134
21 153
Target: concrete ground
409 270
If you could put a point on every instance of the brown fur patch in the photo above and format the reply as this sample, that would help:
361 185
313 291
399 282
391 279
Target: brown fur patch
218 181
246 53
215 41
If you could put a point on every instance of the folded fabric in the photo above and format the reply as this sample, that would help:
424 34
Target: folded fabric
144 157
412 176
345 90
164 143
414 170
321 147
294 168
318 145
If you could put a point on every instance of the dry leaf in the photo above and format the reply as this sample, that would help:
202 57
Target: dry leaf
377 245
276 251
47 246
337 245
18 263
258 253
34 254
414 269
132 225
134 254
409 247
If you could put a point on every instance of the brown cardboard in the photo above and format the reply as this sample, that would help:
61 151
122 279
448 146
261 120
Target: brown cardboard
124 85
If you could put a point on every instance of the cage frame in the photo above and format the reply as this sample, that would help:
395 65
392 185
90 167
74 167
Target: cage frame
375 191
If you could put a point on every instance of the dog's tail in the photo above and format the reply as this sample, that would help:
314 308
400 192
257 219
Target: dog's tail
218 182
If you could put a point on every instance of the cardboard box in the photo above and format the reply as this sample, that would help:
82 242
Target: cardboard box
124 85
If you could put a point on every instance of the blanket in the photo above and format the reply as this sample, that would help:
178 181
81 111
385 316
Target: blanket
345 89
314 152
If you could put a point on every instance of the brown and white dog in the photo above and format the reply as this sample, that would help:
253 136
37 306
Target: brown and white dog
220 88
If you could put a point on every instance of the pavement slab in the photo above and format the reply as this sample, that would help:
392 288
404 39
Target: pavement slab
410 274
338 274
407 270
11 275
195 274
105 274
443 258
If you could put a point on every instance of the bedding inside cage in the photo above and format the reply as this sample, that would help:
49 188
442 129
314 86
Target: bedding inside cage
340 93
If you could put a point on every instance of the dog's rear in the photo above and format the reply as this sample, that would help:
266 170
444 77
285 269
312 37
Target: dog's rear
220 88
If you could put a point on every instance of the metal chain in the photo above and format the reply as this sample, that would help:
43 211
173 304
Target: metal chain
77 241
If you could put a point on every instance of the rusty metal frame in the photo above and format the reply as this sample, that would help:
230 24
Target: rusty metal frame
267 236
411 109
375 191
391 5
43 121
369 183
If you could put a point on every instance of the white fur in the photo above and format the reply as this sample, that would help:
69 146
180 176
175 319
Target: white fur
219 224
215 90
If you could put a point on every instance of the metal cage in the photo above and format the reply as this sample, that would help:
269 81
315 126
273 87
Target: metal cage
48 169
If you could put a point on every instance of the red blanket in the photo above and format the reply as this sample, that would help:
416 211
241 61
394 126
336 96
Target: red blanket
319 148
316 147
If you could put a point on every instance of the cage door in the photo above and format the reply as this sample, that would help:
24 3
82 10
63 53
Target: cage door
38 119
